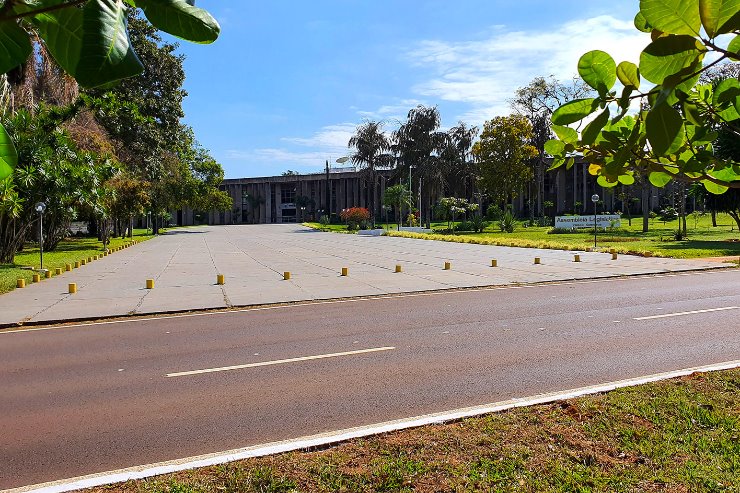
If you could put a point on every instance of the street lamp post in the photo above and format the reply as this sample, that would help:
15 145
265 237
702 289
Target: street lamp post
594 199
40 207
303 213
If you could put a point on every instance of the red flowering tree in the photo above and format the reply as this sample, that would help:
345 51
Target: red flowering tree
355 217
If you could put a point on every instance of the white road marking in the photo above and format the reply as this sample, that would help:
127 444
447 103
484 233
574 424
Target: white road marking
680 314
279 362
150 470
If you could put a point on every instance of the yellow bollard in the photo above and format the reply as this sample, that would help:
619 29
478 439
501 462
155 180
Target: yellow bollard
612 251
72 288
36 278
448 266
47 274
494 263
58 271
89 260
576 258
77 265
220 280
398 269
537 261
82 262
345 271
614 255
286 276
150 283
21 283
68 267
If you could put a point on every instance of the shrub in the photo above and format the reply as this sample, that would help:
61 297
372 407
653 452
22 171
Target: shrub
478 224
507 222
494 213
355 217
668 214
324 220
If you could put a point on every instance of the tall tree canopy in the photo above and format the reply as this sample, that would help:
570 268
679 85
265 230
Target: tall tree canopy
502 154
371 148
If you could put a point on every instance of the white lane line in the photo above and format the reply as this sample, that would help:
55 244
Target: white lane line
279 362
307 442
680 314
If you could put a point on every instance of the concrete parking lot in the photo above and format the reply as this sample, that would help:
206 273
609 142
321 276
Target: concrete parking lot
184 264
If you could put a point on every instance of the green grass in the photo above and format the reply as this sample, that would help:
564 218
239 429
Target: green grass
675 435
68 251
703 239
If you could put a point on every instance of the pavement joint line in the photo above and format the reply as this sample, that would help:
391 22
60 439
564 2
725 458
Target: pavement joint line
694 312
133 318
280 361
339 436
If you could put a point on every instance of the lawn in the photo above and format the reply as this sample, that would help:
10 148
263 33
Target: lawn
68 251
703 239
674 435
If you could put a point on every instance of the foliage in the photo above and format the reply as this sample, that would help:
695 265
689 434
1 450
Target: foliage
507 222
450 207
494 212
53 170
324 220
398 196
672 135
104 53
502 154
355 217
371 146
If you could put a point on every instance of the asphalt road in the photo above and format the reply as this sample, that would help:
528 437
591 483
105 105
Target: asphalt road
86 399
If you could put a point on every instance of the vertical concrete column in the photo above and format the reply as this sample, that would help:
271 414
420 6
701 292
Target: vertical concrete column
268 203
278 202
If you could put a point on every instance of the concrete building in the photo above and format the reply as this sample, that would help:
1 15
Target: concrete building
306 197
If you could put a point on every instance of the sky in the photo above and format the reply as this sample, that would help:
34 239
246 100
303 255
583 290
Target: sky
287 82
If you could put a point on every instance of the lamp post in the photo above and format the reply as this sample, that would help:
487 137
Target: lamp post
40 207
303 213
595 199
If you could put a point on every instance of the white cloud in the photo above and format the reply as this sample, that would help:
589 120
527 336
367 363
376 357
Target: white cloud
484 74
332 138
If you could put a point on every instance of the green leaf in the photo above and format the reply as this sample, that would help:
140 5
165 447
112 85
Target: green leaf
629 74
734 47
627 180
91 44
574 111
605 182
664 127
660 178
566 134
713 188
727 98
556 163
719 16
598 70
669 55
593 129
693 114
8 154
182 19
672 16
641 24
554 147
15 46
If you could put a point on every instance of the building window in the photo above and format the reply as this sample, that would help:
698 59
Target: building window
287 194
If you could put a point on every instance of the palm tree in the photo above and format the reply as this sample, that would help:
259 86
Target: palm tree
458 167
398 196
418 143
371 146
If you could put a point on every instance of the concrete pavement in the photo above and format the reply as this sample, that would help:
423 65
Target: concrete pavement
185 262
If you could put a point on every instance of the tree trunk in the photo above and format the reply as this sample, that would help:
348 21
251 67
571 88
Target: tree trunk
714 219
645 205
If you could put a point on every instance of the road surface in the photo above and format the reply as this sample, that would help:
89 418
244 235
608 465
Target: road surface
86 399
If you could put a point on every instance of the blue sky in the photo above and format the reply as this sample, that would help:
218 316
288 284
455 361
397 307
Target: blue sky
288 81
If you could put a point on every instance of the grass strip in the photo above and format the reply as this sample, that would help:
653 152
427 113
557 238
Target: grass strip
675 435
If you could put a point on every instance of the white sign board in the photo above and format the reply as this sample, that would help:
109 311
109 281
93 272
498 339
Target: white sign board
575 222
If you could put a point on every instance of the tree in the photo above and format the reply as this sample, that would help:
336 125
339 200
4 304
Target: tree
502 156
456 162
371 152
671 136
418 143
128 198
103 54
398 196
537 101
